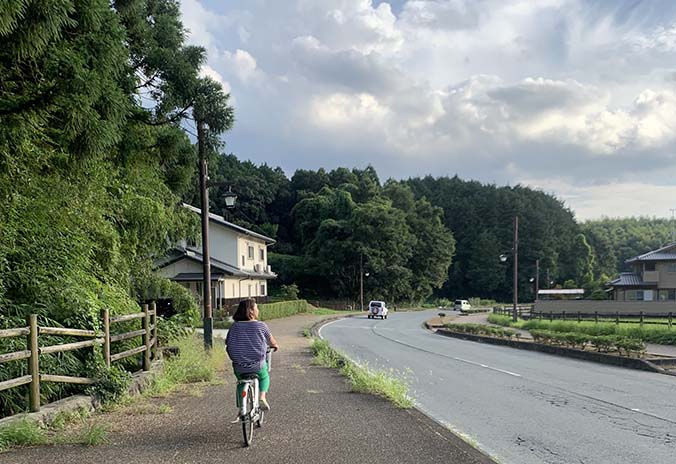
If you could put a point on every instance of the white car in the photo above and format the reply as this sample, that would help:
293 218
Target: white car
462 305
377 309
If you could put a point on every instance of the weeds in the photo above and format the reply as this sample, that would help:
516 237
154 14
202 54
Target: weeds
363 380
22 433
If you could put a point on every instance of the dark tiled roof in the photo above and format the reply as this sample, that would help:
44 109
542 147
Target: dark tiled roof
194 254
631 279
666 253
221 220
194 276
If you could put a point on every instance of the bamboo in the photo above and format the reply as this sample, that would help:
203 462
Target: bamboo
14 332
16 382
126 335
64 331
146 338
70 346
17 355
126 317
67 379
34 363
106 336
126 354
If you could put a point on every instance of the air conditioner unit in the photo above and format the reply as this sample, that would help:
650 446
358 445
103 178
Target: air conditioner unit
257 267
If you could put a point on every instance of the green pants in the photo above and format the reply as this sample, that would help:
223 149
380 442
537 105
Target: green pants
263 381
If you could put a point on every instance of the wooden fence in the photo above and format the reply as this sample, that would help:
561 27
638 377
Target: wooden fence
617 318
33 352
523 311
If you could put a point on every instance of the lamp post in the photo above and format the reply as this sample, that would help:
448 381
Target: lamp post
230 197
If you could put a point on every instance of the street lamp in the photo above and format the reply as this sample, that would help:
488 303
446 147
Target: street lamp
230 198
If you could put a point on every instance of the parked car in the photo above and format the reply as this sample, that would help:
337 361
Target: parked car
462 305
377 309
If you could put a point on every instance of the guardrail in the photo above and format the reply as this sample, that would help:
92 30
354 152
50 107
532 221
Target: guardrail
33 352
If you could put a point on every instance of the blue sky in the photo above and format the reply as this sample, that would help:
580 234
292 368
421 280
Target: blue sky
577 98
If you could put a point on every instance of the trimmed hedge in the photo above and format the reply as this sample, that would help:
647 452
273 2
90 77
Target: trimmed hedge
647 334
282 309
602 343
480 329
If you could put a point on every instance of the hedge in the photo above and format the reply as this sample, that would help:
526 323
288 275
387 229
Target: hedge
282 309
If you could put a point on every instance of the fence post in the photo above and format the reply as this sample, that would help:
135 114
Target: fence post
563 315
596 317
579 317
106 336
641 314
670 319
34 362
551 316
617 317
153 307
146 338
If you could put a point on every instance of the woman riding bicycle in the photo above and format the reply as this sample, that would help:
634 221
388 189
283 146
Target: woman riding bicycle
247 343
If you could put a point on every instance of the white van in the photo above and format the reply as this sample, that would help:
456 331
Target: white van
462 305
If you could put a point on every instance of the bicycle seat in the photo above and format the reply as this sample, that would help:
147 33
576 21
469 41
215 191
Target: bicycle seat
249 376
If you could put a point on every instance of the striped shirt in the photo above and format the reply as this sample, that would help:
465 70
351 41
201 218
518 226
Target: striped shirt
246 344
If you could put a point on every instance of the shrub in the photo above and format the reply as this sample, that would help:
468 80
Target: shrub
288 292
500 319
112 384
282 309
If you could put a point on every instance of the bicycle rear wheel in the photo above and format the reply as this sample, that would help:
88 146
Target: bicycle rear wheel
247 421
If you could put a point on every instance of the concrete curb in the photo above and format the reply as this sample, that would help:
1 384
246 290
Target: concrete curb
48 412
631 363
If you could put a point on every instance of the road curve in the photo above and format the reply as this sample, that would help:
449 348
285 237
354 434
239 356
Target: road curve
520 407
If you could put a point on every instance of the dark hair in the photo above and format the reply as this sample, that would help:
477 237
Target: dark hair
245 310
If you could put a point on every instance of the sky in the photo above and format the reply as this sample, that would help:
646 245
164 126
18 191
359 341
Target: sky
576 98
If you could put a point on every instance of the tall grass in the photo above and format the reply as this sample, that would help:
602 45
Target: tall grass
22 433
363 380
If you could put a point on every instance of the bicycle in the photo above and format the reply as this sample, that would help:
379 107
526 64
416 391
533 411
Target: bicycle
250 413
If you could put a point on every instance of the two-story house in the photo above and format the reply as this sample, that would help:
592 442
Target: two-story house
239 263
652 277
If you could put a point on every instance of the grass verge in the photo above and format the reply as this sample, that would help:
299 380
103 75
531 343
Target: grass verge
363 380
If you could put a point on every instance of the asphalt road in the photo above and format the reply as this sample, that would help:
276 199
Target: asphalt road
521 407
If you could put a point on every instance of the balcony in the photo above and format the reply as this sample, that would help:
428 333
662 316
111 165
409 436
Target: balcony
651 276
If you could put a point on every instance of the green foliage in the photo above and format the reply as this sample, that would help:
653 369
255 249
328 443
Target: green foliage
22 433
500 319
288 292
646 333
171 329
112 384
282 309
481 329
579 340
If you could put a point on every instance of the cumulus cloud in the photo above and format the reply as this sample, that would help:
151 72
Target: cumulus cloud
571 91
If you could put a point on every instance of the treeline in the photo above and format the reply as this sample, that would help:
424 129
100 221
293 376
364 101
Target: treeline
415 238
94 96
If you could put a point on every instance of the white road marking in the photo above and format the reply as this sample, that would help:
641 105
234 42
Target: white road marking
486 367
319 332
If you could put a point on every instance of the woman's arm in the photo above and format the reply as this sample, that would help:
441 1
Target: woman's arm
273 343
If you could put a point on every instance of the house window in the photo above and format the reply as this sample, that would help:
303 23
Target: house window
667 295
671 267
649 266
261 254
262 289
251 252
243 260
634 295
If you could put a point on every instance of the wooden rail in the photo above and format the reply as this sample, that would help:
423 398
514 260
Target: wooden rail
33 352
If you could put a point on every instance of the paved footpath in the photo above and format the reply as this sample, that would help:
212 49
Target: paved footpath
314 418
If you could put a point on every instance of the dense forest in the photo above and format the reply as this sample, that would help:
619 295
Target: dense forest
423 237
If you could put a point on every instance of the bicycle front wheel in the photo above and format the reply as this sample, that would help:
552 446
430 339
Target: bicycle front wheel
247 421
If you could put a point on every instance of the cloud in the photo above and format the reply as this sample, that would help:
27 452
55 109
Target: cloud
568 93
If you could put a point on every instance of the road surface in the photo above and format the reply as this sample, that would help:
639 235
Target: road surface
521 407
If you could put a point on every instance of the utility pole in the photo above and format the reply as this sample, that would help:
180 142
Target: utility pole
515 312
537 278
361 280
206 261
673 232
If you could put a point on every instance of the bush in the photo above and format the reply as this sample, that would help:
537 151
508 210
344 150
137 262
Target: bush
481 329
288 292
112 384
169 330
282 309
500 319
